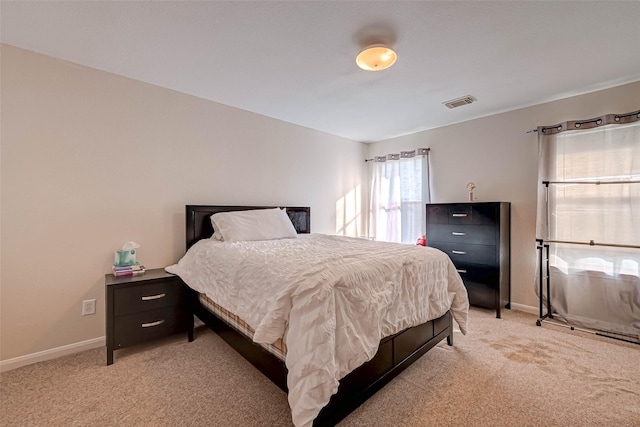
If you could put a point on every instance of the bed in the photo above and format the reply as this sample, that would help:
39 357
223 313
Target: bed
392 355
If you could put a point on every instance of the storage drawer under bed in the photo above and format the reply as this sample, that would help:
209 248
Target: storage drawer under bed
396 348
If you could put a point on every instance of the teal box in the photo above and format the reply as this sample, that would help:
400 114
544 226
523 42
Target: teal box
125 258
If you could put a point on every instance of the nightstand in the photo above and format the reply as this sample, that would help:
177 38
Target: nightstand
144 308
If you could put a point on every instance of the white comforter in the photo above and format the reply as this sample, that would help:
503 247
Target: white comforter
332 298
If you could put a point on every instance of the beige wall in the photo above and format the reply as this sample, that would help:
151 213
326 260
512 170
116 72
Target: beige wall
499 155
91 160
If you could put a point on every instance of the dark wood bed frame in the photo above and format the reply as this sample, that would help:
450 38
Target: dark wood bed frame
395 353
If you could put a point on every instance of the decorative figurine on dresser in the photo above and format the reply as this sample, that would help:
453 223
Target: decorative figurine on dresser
476 236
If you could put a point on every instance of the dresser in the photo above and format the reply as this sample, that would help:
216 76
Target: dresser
143 308
476 236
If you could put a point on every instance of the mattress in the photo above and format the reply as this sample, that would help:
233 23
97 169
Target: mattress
278 348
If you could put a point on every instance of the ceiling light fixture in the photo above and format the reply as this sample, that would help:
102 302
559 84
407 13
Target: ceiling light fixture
376 57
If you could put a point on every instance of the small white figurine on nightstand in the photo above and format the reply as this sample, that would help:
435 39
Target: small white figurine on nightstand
470 187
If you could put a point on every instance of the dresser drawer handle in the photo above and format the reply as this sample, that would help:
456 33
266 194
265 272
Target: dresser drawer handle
152 297
461 271
459 252
458 233
152 324
459 214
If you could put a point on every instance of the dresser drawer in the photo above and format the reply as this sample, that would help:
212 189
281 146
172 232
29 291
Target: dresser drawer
475 234
139 327
482 294
462 213
482 283
147 297
468 253
472 273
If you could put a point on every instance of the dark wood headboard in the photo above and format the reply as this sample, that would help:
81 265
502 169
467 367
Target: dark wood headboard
199 223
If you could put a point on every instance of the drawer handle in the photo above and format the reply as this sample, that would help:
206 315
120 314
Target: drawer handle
152 297
459 252
458 233
459 214
461 271
152 324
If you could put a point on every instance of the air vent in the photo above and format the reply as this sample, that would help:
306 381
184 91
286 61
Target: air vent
459 102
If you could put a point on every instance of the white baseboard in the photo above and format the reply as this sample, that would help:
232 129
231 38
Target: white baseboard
525 308
54 353
41 356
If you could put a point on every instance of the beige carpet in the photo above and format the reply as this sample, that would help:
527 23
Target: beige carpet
505 372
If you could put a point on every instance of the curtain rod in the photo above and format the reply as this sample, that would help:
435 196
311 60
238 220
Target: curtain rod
591 182
590 243
403 154
606 119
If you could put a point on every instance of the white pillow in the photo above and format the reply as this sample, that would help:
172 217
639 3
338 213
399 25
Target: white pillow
259 224
216 231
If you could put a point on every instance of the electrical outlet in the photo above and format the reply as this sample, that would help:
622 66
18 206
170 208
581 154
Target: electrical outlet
88 307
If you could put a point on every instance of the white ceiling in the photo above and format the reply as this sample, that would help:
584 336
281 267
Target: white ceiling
295 60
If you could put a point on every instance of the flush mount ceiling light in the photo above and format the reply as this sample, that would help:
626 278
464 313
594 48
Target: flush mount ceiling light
376 57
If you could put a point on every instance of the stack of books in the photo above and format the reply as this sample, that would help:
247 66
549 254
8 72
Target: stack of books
128 270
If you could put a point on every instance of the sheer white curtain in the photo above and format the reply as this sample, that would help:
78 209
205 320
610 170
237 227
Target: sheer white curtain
589 195
399 192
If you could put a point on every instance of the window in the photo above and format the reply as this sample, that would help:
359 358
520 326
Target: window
594 196
399 192
588 213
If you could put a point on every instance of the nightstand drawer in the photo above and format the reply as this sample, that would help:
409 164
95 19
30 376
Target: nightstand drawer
142 298
139 327
475 234
467 253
